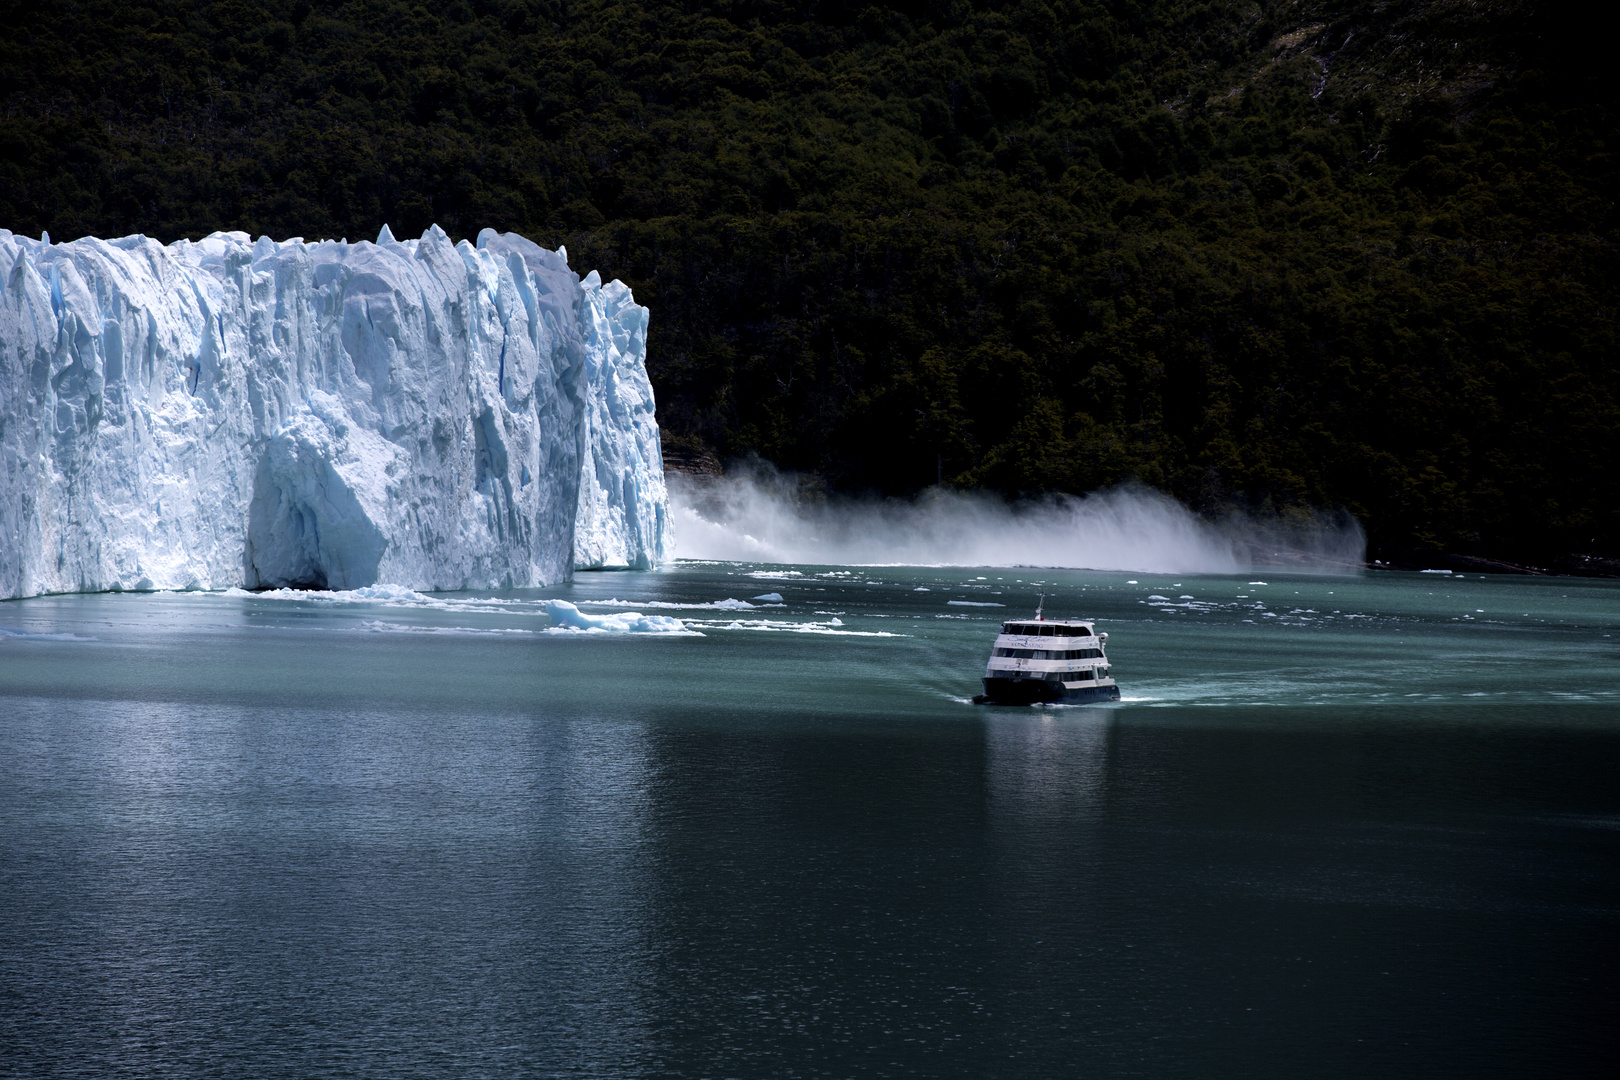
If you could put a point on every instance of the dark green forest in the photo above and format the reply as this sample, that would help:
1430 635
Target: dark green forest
1267 255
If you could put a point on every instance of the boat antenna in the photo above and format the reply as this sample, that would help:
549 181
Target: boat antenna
1039 604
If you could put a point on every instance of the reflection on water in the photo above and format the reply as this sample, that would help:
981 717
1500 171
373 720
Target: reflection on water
1048 761
354 881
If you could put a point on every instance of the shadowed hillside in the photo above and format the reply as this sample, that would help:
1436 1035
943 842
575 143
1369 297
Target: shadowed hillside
1266 255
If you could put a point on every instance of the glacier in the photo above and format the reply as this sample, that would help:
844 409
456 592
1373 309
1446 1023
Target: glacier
261 414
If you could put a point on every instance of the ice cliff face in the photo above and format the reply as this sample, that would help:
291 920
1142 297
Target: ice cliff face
223 413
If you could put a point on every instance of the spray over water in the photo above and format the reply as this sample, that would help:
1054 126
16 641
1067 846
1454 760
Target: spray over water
758 515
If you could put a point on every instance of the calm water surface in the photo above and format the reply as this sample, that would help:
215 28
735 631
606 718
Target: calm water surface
1338 827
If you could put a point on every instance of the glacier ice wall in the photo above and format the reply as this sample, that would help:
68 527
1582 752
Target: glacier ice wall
622 521
218 413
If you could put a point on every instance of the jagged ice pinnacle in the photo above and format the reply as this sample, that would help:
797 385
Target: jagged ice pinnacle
331 415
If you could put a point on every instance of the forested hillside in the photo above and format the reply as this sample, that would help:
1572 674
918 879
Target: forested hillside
1270 254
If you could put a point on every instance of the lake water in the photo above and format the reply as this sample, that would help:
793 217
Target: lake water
1338 827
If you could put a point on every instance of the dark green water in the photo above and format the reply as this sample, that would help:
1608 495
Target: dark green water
1371 827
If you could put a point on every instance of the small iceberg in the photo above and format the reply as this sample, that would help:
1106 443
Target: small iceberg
570 619
770 597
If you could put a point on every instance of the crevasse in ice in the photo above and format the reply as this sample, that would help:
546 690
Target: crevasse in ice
230 413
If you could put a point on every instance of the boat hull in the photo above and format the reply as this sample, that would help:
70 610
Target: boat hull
1041 692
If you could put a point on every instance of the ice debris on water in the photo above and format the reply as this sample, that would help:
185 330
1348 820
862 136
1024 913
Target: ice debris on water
233 412
728 604
770 598
567 617
14 633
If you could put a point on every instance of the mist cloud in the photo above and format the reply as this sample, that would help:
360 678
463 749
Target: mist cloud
758 516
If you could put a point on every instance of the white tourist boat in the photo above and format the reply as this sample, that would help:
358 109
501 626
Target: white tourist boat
1041 661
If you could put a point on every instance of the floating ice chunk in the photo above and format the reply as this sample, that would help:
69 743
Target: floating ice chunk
972 603
770 597
1156 596
569 617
